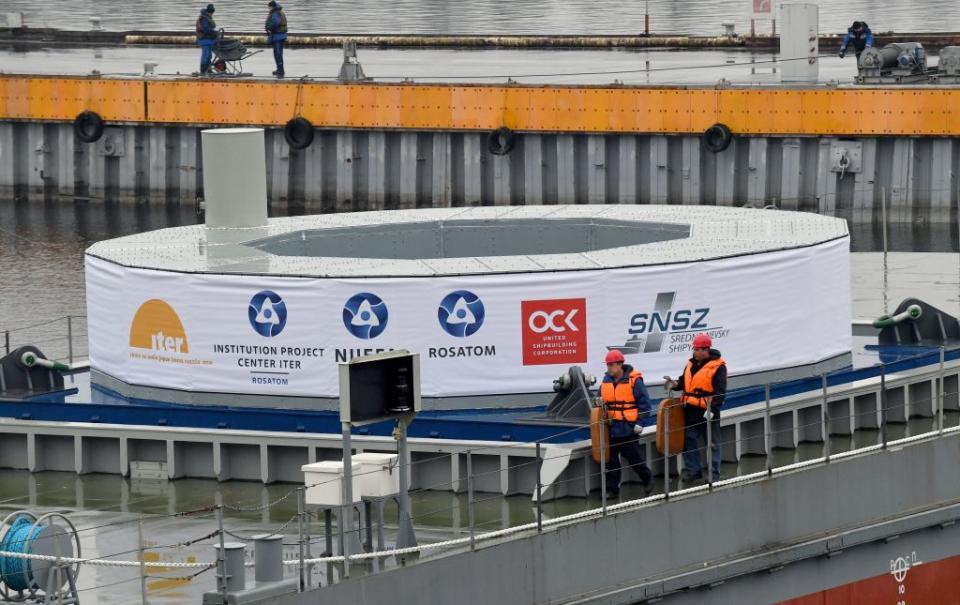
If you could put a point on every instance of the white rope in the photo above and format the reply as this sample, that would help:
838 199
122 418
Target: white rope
104 562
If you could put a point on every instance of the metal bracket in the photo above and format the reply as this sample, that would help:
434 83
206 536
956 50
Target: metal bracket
111 144
846 156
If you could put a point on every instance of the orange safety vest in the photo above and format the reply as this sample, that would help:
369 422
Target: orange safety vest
698 388
618 398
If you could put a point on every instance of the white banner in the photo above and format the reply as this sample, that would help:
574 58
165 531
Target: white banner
476 335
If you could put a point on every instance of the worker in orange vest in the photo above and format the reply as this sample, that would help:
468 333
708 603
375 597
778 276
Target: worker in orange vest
703 385
627 403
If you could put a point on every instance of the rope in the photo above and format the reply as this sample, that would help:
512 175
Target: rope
18 573
102 562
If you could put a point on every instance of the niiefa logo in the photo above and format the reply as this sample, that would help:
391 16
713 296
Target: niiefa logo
157 334
157 327
365 315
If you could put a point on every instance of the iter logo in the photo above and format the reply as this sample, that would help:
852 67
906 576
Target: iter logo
365 315
461 313
554 331
267 313
157 327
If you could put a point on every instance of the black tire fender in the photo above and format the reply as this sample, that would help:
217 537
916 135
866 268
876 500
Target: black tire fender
501 141
299 133
88 126
717 138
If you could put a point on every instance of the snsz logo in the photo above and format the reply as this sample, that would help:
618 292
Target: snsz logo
267 313
554 331
365 315
649 331
461 313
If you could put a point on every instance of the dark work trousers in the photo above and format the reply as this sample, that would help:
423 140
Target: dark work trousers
278 54
631 450
695 435
206 57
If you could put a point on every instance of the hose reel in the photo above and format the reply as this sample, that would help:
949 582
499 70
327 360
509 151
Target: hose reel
32 580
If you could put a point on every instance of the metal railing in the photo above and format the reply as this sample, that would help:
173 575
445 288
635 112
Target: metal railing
479 530
63 339
827 453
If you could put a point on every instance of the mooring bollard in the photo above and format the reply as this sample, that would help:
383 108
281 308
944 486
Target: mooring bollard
268 557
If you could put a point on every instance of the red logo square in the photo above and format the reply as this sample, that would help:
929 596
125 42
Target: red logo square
554 331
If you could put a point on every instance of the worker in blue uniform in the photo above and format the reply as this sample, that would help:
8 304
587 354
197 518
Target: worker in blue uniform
206 37
860 36
276 27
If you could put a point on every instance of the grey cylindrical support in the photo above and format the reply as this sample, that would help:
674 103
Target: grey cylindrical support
539 490
233 566
234 177
666 448
268 557
709 420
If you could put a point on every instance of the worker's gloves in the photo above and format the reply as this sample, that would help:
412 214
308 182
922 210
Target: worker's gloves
637 429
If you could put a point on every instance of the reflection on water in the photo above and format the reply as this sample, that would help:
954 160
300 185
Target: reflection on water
41 253
905 237
703 17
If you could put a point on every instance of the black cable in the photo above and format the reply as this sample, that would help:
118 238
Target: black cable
99 586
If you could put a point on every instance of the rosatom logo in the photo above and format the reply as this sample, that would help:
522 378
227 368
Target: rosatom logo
461 313
365 315
267 313
648 332
554 331
157 327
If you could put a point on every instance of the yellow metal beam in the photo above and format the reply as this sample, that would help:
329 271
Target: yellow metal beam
34 98
926 111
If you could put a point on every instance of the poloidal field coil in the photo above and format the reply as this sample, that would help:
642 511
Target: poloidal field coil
30 580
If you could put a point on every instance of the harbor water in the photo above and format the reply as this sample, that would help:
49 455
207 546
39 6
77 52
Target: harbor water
491 17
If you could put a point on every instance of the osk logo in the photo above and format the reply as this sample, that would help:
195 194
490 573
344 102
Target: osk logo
157 327
554 331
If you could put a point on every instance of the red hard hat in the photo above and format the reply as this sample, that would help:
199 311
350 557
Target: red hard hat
702 341
614 357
